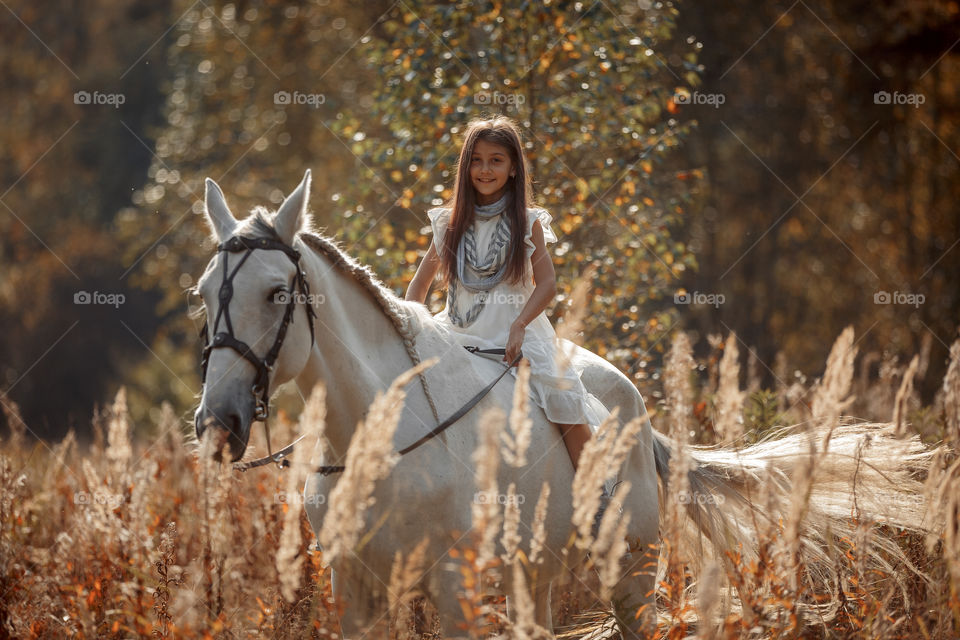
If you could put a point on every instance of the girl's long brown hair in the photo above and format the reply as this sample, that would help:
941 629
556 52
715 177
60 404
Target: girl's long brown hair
502 131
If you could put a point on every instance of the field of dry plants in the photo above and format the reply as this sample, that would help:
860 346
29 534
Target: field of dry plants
130 536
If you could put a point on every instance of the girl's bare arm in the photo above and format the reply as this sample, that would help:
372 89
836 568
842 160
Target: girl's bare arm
423 278
543 293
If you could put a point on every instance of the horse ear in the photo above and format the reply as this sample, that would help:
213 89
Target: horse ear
293 211
221 221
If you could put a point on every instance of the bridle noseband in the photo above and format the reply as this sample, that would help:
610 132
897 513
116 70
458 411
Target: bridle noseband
226 339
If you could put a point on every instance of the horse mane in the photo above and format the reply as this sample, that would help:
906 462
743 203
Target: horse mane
406 316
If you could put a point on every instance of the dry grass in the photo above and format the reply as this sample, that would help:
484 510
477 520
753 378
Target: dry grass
131 536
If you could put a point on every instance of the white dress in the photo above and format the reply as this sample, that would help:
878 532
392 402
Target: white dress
560 393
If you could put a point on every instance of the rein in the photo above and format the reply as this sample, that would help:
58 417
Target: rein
327 470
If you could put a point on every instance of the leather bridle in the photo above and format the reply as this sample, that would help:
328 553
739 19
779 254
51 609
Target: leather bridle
226 339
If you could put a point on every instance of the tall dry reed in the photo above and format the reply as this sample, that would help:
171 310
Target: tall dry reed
370 457
831 396
729 424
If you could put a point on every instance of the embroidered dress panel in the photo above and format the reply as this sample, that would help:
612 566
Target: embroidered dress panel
493 264
483 317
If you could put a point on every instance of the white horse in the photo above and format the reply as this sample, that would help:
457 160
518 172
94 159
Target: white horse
363 338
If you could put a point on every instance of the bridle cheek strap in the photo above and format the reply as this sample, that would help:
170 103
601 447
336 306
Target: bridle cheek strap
226 339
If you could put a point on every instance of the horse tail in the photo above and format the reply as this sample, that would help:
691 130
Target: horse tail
819 485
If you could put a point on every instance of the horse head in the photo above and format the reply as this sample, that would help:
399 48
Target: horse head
259 315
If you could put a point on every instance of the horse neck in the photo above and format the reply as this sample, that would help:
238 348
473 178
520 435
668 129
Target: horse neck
357 351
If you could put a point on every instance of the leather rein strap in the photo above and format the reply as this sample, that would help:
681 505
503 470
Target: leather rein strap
327 470
440 428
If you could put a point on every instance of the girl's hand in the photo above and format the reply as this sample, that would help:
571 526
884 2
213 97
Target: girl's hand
514 342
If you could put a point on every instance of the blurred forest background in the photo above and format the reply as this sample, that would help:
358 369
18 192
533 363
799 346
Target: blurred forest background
780 170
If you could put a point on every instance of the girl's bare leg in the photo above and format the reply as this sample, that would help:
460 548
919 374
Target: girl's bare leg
574 437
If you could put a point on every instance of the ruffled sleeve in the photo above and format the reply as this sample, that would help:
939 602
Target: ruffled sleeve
545 219
439 218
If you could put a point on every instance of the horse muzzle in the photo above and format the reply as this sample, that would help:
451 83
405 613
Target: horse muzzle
224 427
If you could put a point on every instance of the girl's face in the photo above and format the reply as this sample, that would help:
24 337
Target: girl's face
490 169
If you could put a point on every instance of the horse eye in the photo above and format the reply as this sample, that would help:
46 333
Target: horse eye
277 295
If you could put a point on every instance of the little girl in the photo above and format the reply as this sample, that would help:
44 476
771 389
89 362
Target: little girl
489 244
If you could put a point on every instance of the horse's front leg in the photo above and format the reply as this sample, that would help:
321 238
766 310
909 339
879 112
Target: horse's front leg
364 607
542 613
443 589
539 594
